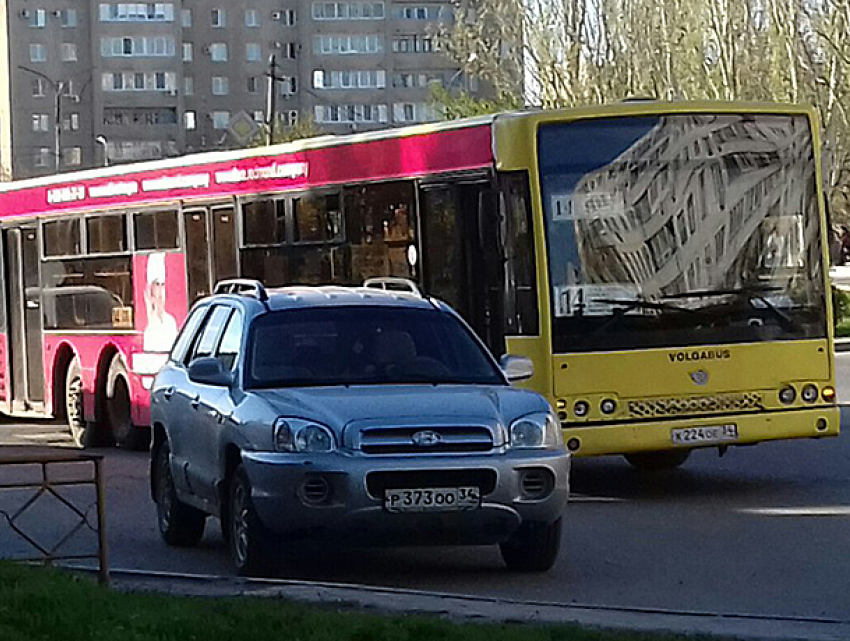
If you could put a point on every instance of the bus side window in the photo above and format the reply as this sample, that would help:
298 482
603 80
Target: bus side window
521 308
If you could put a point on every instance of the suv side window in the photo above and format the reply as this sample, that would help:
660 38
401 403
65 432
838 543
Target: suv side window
208 339
231 341
190 327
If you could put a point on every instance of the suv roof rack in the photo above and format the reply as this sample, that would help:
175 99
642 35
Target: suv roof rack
244 286
393 284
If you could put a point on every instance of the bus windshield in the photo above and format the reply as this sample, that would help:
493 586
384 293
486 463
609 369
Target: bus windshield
680 230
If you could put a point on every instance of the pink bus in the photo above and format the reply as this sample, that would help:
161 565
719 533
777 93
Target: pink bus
99 267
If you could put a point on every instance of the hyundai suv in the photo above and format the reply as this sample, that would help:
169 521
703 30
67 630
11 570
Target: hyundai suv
366 416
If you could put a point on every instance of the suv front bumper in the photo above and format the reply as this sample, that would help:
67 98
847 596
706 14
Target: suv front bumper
354 508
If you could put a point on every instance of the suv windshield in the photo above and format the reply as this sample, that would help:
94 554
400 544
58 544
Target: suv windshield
682 230
364 346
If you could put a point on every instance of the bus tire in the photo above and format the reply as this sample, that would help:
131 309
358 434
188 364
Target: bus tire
119 415
533 547
82 433
660 461
179 524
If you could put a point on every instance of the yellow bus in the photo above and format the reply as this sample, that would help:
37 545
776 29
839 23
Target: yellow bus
681 275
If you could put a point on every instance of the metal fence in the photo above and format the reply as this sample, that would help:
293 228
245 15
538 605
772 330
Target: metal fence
86 470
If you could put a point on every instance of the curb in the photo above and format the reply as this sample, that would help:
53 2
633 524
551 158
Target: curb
842 344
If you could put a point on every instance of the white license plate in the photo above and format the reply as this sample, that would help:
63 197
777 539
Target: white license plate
703 435
432 499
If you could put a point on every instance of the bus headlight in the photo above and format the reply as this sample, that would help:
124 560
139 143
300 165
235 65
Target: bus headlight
298 435
809 394
787 395
608 405
537 430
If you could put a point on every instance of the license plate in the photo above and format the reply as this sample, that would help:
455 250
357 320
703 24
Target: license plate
432 499
703 435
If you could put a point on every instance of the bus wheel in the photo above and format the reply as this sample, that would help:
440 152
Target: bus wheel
118 414
82 433
657 461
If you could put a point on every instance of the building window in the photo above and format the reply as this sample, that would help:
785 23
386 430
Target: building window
41 157
348 10
348 44
71 122
186 18
253 85
220 85
40 122
190 121
350 113
139 81
288 50
189 85
289 86
259 117
69 18
253 52
221 119
38 53
291 118
72 156
69 52
187 52
252 18
365 79
137 12
38 88
217 18
39 19
218 52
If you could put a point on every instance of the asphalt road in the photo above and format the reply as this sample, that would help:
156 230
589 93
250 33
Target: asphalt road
762 531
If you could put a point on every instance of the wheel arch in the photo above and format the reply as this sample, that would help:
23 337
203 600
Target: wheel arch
62 358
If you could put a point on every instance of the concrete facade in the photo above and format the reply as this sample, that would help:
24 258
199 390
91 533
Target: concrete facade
138 81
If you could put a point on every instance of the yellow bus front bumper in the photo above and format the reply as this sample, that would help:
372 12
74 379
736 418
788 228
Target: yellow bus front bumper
623 438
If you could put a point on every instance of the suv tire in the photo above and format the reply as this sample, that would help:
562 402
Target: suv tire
251 544
180 525
533 547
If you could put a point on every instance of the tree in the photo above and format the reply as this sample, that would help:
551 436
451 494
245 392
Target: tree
304 128
564 53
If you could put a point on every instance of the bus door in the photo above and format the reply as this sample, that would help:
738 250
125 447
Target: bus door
461 249
210 248
24 318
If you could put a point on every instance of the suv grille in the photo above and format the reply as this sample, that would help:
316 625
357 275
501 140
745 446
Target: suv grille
739 402
425 440
378 482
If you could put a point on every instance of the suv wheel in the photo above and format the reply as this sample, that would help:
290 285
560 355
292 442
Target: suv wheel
180 525
533 547
251 544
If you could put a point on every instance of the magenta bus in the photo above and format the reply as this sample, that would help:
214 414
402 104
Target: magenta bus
100 266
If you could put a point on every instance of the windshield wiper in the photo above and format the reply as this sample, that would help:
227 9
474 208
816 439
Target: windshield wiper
751 294
631 304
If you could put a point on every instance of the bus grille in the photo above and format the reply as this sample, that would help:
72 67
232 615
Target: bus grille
741 402
443 440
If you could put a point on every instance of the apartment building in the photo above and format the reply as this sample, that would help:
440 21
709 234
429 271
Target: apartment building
86 83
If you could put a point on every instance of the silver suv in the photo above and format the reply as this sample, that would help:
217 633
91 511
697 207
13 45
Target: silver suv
373 417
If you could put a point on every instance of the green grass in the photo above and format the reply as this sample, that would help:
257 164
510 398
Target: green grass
43 603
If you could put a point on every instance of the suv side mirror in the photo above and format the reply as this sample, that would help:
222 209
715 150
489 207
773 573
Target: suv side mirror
209 371
516 368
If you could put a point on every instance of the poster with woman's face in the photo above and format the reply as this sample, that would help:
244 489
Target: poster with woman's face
160 299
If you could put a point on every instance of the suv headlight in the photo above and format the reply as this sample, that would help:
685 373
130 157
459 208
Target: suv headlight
298 435
537 430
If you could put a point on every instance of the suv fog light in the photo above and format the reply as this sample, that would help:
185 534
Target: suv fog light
316 490
536 483
608 406
809 394
787 395
581 408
